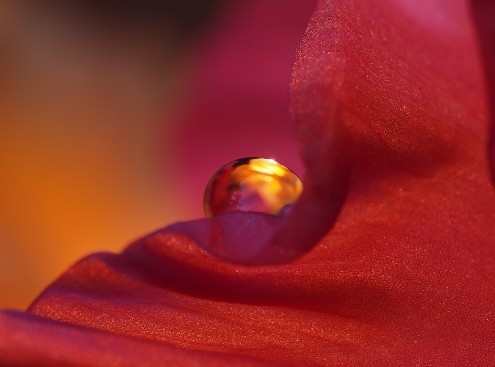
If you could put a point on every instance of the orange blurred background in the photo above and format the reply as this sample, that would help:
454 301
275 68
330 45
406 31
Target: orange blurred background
86 93
115 113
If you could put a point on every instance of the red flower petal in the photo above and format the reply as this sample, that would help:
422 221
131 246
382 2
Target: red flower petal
406 277
59 344
484 15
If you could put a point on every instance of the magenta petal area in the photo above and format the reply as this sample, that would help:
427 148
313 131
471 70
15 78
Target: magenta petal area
233 236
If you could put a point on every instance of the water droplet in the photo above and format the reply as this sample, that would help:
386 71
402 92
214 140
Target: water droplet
252 184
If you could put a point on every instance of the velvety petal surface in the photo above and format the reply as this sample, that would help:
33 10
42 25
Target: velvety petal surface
484 14
391 92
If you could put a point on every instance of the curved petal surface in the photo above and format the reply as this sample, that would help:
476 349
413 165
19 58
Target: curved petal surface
407 274
484 15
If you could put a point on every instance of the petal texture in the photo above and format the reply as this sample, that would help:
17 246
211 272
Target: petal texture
405 278
484 15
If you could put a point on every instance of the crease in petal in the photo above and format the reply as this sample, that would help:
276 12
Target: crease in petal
406 276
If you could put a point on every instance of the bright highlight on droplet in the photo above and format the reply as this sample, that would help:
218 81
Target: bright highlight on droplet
252 184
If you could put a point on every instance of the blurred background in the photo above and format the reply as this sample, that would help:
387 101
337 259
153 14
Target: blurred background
114 114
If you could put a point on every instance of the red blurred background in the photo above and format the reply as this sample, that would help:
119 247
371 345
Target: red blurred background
115 113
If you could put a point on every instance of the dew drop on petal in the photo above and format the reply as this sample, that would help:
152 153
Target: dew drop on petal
254 185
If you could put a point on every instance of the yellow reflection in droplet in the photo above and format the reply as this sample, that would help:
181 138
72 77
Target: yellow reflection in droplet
252 184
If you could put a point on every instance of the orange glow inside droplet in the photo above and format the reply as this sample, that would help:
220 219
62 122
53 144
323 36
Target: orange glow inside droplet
252 184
